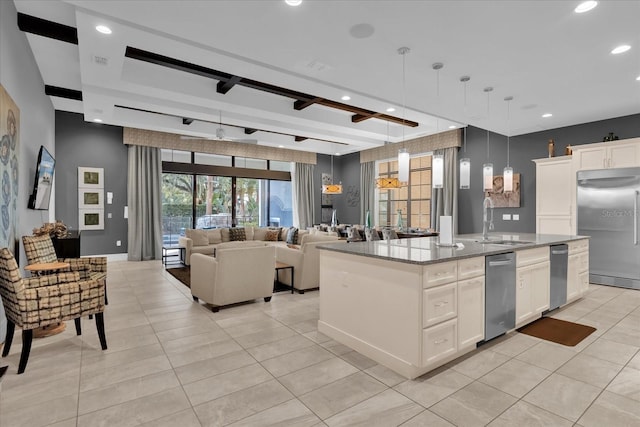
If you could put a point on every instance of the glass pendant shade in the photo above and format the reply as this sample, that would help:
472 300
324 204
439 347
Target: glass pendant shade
387 183
437 171
487 176
465 174
403 165
332 189
508 179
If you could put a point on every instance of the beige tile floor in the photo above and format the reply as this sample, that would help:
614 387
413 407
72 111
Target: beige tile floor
172 362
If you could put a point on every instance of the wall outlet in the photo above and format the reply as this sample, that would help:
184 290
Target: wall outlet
516 217
118 242
506 217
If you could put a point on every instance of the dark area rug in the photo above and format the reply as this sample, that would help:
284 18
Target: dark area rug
558 331
183 274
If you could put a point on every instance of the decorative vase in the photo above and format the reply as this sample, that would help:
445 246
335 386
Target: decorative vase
367 222
568 150
334 219
551 148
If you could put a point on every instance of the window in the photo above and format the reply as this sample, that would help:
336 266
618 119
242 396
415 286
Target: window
177 203
413 201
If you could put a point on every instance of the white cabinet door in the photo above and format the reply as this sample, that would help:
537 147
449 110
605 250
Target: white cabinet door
439 342
541 276
523 294
590 158
439 304
553 224
553 187
623 156
470 312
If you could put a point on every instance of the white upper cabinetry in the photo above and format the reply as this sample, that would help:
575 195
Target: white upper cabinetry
556 180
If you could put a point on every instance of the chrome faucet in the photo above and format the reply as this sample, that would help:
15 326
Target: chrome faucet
486 220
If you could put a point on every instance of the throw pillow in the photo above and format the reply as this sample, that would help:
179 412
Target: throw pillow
225 234
214 236
259 233
292 235
199 237
248 231
237 234
272 236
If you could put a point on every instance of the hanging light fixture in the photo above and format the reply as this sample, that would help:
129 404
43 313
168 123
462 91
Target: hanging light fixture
508 170
403 154
332 188
437 162
487 168
385 183
465 162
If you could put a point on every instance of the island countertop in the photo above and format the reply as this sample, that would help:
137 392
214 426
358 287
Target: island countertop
425 250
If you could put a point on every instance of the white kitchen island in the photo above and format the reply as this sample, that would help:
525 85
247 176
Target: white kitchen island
412 306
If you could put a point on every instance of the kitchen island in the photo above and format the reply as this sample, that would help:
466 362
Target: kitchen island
412 305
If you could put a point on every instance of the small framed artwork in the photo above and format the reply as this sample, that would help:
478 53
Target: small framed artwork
90 199
91 219
90 177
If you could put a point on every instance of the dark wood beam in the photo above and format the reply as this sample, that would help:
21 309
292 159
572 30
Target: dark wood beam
50 29
249 131
301 98
302 104
225 86
175 167
357 118
62 92
300 138
186 121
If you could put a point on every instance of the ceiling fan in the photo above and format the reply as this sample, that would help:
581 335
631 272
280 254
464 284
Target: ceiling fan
221 135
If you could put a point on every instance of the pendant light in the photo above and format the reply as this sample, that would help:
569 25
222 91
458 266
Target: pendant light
403 154
386 183
487 168
465 162
437 162
332 188
508 170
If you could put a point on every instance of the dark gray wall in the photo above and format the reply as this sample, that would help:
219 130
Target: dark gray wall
80 143
346 169
523 149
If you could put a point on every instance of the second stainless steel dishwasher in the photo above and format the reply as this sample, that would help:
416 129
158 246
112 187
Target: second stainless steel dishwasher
500 294
559 255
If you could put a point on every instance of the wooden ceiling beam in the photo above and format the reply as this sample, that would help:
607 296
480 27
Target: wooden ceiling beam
357 118
250 131
301 104
300 138
225 86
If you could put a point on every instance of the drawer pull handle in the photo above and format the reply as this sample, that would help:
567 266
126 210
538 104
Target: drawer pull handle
441 303
440 341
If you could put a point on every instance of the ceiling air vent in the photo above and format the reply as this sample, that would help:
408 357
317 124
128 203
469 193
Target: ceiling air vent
101 60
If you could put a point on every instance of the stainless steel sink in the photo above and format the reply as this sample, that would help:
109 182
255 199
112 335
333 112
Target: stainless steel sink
503 242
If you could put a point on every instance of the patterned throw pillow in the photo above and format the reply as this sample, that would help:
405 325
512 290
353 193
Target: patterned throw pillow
292 235
272 236
237 234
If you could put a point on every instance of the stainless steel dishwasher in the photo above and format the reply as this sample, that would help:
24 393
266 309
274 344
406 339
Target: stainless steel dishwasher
559 255
500 294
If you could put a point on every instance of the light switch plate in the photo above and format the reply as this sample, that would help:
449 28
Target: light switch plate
506 217
516 217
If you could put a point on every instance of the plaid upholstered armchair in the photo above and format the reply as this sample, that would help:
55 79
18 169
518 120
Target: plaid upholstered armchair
42 300
40 250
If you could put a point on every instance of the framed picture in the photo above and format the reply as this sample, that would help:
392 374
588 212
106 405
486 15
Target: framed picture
90 199
91 219
501 199
90 177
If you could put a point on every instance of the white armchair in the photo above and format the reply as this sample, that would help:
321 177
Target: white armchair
235 275
305 261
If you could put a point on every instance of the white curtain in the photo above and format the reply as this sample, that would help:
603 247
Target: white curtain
367 189
444 201
144 199
302 183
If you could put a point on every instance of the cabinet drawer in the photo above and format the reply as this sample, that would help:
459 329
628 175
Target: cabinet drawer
470 267
583 262
532 256
439 304
578 246
440 274
439 342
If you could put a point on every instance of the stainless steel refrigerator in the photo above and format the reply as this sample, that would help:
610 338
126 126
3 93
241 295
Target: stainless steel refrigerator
608 212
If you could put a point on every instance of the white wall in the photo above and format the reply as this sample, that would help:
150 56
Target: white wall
21 79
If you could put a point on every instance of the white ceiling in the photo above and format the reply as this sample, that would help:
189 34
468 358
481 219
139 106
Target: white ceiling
542 53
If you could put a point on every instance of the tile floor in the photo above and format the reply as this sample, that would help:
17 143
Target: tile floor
173 362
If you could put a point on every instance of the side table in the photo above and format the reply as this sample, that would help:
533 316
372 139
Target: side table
283 266
171 251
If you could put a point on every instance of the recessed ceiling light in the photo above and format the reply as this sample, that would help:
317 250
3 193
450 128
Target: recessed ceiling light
337 154
545 115
345 98
621 49
638 78
585 6
390 110
293 2
280 146
452 127
103 29
97 120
